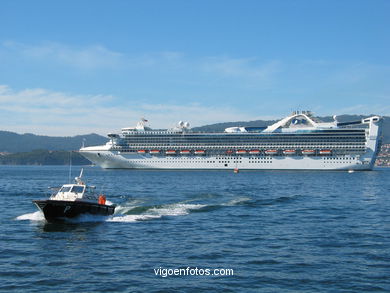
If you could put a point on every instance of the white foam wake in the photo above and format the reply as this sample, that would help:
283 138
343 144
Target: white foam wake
178 209
36 216
132 218
108 202
237 201
129 206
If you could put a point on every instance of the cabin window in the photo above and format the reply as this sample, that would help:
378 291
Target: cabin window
65 189
77 189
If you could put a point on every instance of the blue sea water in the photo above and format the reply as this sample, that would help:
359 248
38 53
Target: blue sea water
279 231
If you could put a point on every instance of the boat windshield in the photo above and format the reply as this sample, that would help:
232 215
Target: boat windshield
77 189
65 189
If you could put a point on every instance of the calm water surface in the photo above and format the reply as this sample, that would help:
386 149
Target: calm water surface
278 232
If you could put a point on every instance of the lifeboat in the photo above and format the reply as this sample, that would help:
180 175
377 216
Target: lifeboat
271 152
141 151
185 152
229 152
325 152
241 152
254 152
199 152
289 152
308 152
170 152
154 152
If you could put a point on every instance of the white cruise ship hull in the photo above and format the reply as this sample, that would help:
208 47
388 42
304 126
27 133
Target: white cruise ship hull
113 160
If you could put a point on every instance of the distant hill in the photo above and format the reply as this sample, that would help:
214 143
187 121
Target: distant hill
43 157
12 142
219 127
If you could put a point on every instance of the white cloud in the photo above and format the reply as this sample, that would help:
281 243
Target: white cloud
30 99
42 111
250 70
196 114
90 57
46 112
365 109
235 86
98 58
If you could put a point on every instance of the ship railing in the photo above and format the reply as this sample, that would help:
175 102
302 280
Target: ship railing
232 151
248 147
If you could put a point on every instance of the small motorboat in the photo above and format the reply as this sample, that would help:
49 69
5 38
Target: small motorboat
73 200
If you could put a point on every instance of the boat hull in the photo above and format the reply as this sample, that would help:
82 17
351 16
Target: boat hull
58 210
114 160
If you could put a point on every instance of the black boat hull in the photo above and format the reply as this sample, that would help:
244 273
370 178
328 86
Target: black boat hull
57 210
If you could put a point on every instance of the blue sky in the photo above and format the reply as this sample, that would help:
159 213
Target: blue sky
75 67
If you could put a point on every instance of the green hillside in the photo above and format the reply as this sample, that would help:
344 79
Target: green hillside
12 142
43 157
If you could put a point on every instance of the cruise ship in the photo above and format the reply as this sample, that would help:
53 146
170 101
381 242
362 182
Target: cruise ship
297 142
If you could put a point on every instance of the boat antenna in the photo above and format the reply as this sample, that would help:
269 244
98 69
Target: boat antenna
70 165
78 179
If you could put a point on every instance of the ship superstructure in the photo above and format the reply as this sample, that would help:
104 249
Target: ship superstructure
298 141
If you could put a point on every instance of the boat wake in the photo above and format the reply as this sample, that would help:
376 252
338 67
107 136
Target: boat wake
134 211
137 210
155 212
37 216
